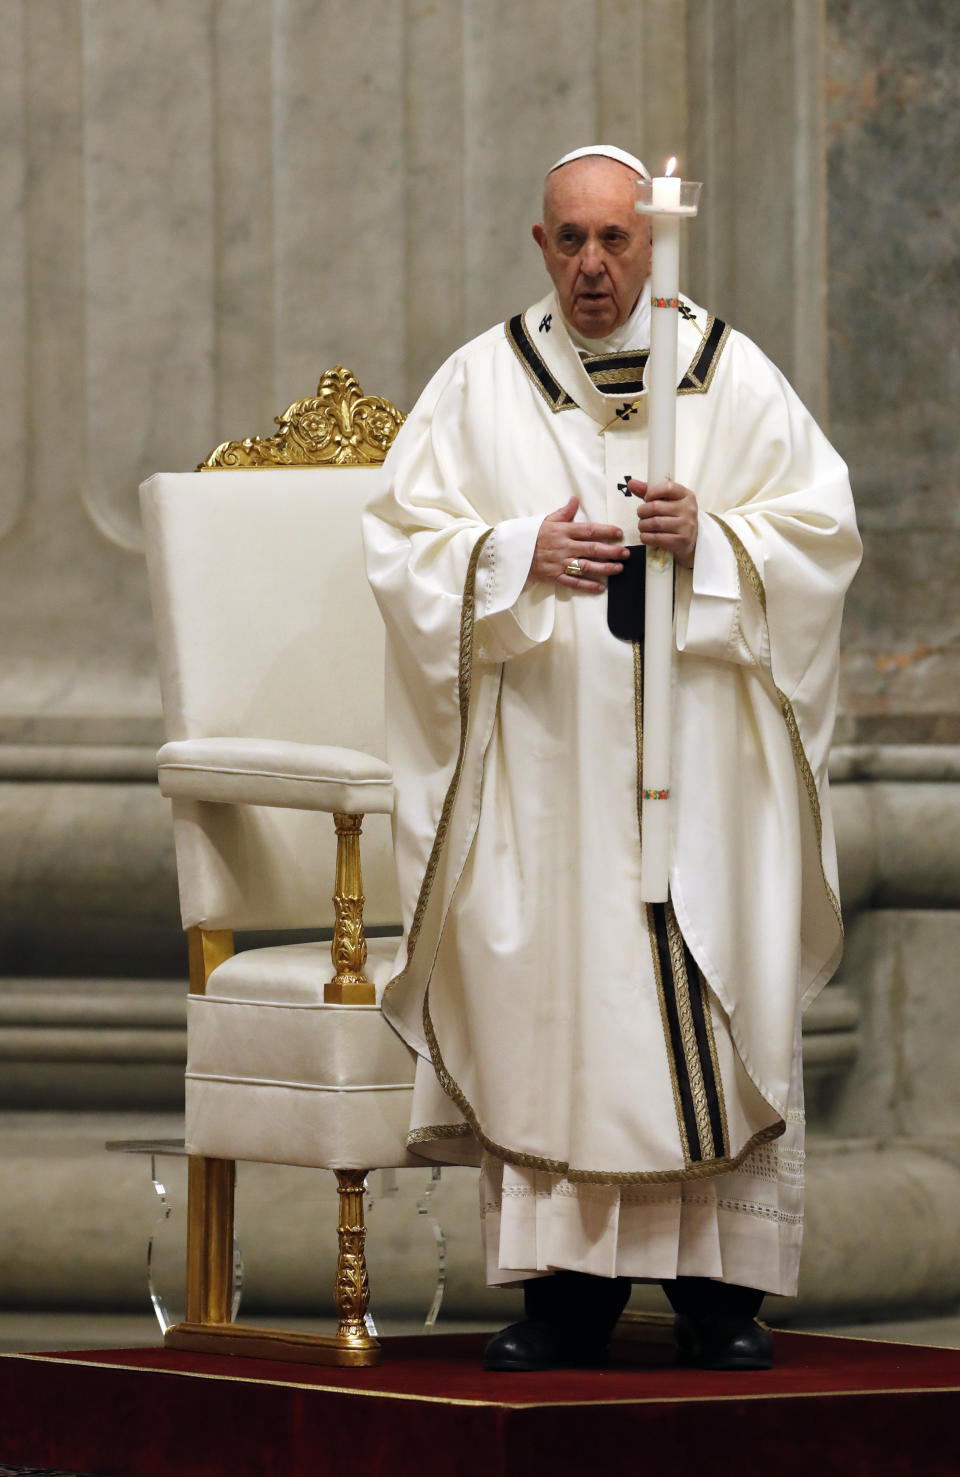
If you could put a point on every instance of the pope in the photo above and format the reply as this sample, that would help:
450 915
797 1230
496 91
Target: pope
627 1075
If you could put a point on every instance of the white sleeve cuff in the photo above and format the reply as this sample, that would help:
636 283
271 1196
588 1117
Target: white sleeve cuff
708 596
511 616
715 571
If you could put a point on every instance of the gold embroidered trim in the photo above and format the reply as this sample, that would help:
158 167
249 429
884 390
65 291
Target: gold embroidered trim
618 359
688 1034
463 692
638 726
701 1170
601 377
751 574
438 1131
712 1046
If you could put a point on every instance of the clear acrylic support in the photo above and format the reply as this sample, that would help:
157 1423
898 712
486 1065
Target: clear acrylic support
387 1186
406 1248
165 1244
425 1207
163 1215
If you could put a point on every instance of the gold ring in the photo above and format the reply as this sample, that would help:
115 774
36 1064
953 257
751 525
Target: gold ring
572 567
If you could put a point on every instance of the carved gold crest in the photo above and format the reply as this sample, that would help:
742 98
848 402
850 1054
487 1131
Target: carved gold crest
340 426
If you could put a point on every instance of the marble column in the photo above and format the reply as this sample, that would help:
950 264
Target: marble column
893 131
754 92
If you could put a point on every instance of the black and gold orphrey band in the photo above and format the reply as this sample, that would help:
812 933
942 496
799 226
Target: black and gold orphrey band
523 346
684 1010
617 374
690 1041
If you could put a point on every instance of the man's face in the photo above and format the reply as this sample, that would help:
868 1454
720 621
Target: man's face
595 246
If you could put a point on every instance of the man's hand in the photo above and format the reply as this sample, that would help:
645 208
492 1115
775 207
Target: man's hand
667 517
597 547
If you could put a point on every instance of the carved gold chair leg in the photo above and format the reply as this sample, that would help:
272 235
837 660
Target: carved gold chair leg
208 1329
352 1288
349 985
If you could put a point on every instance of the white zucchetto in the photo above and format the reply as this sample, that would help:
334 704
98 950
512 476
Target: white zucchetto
608 151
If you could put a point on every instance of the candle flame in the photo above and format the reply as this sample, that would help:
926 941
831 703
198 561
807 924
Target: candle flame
671 166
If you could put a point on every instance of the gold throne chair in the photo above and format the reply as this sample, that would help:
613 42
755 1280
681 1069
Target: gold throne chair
270 651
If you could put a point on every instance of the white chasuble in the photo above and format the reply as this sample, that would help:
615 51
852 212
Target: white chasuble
630 1073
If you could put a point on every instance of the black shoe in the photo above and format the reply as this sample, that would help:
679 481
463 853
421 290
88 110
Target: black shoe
570 1317
720 1342
531 1345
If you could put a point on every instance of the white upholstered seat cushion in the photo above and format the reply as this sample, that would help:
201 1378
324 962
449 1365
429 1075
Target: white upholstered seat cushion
293 973
256 771
274 1074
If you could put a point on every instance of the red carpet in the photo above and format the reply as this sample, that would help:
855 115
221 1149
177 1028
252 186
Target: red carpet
830 1406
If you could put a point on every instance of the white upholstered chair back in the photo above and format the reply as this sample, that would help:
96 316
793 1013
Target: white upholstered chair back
266 627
